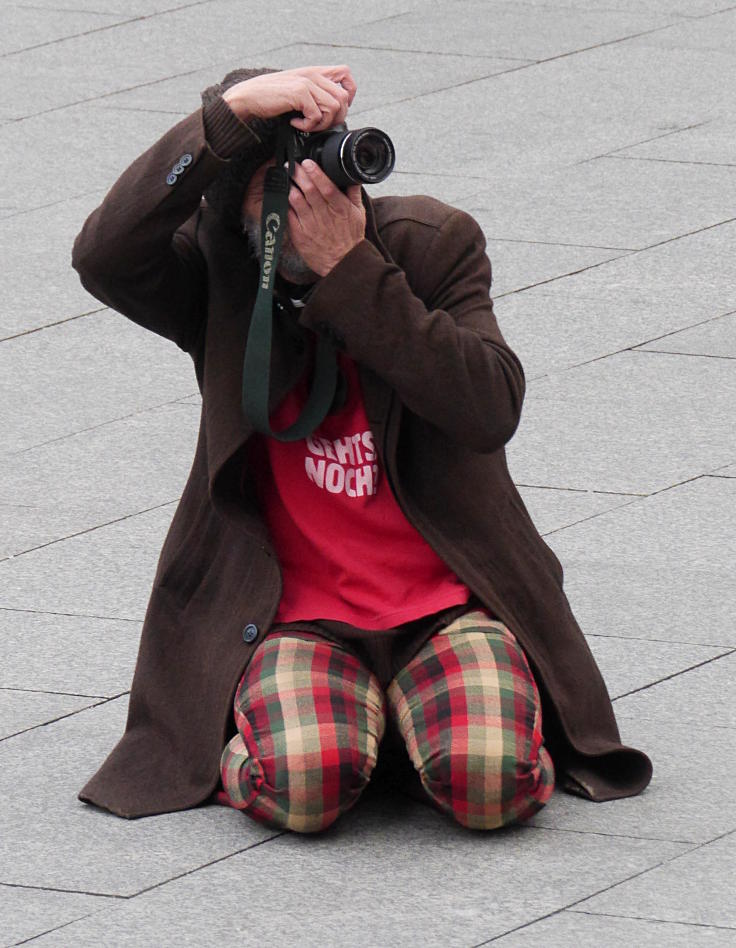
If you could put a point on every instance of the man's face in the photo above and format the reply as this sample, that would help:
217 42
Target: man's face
291 265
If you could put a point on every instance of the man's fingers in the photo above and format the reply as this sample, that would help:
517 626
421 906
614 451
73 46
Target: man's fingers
343 76
337 94
319 104
354 195
317 187
307 104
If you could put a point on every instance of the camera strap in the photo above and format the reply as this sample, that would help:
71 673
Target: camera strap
257 360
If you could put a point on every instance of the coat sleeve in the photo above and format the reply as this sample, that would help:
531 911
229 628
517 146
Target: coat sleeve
446 358
137 252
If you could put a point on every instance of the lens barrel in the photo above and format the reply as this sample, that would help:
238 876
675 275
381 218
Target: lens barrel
360 156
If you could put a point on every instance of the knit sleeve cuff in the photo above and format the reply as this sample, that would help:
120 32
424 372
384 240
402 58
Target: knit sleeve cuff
226 134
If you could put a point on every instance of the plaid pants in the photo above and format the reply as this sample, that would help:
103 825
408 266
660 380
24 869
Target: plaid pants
310 717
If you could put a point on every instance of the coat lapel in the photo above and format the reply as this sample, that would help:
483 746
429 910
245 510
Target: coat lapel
234 286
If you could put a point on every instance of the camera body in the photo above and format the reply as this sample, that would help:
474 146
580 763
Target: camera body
360 156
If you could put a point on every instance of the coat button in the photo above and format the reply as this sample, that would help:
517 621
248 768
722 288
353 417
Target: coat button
250 633
171 178
178 168
185 159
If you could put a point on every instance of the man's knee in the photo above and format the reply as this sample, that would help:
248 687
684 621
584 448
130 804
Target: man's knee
304 793
488 792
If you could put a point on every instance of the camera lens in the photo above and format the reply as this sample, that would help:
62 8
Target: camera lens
363 156
367 155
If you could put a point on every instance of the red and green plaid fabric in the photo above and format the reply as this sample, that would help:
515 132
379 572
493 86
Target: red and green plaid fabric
310 717
469 711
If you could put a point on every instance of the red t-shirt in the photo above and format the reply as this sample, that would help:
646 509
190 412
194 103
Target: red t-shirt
347 551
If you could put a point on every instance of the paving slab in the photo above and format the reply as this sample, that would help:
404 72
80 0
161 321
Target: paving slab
107 572
519 264
600 203
40 287
85 372
708 692
710 141
79 655
431 878
76 846
575 927
712 34
691 796
659 569
26 913
21 710
716 337
96 475
98 143
529 121
697 888
473 28
628 664
624 303
135 52
585 427
23 27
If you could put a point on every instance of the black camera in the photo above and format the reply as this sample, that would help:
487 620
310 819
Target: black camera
360 156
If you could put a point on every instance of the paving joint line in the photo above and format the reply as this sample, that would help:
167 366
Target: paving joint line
584 490
70 615
33 6
42 207
553 243
682 671
564 276
45 691
648 638
582 899
52 888
603 263
103 95
110 421
419 52
651 839
692 355
598 513
103 28
672 161
61 717
644 141
59 322
675 332
213 862
80 533
649 918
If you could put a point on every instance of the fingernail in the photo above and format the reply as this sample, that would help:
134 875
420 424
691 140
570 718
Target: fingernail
308 164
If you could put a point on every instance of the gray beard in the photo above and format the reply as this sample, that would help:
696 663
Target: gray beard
291 264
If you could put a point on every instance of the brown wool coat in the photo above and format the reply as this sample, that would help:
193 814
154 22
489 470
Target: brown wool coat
443 393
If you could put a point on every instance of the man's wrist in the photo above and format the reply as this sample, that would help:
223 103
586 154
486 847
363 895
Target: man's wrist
240 111
226 134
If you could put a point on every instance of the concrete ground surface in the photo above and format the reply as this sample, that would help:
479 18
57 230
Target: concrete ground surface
594 140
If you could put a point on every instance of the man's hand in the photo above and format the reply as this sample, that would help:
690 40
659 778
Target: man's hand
324 223
322 94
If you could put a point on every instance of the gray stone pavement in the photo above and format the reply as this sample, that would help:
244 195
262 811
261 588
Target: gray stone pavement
596 143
